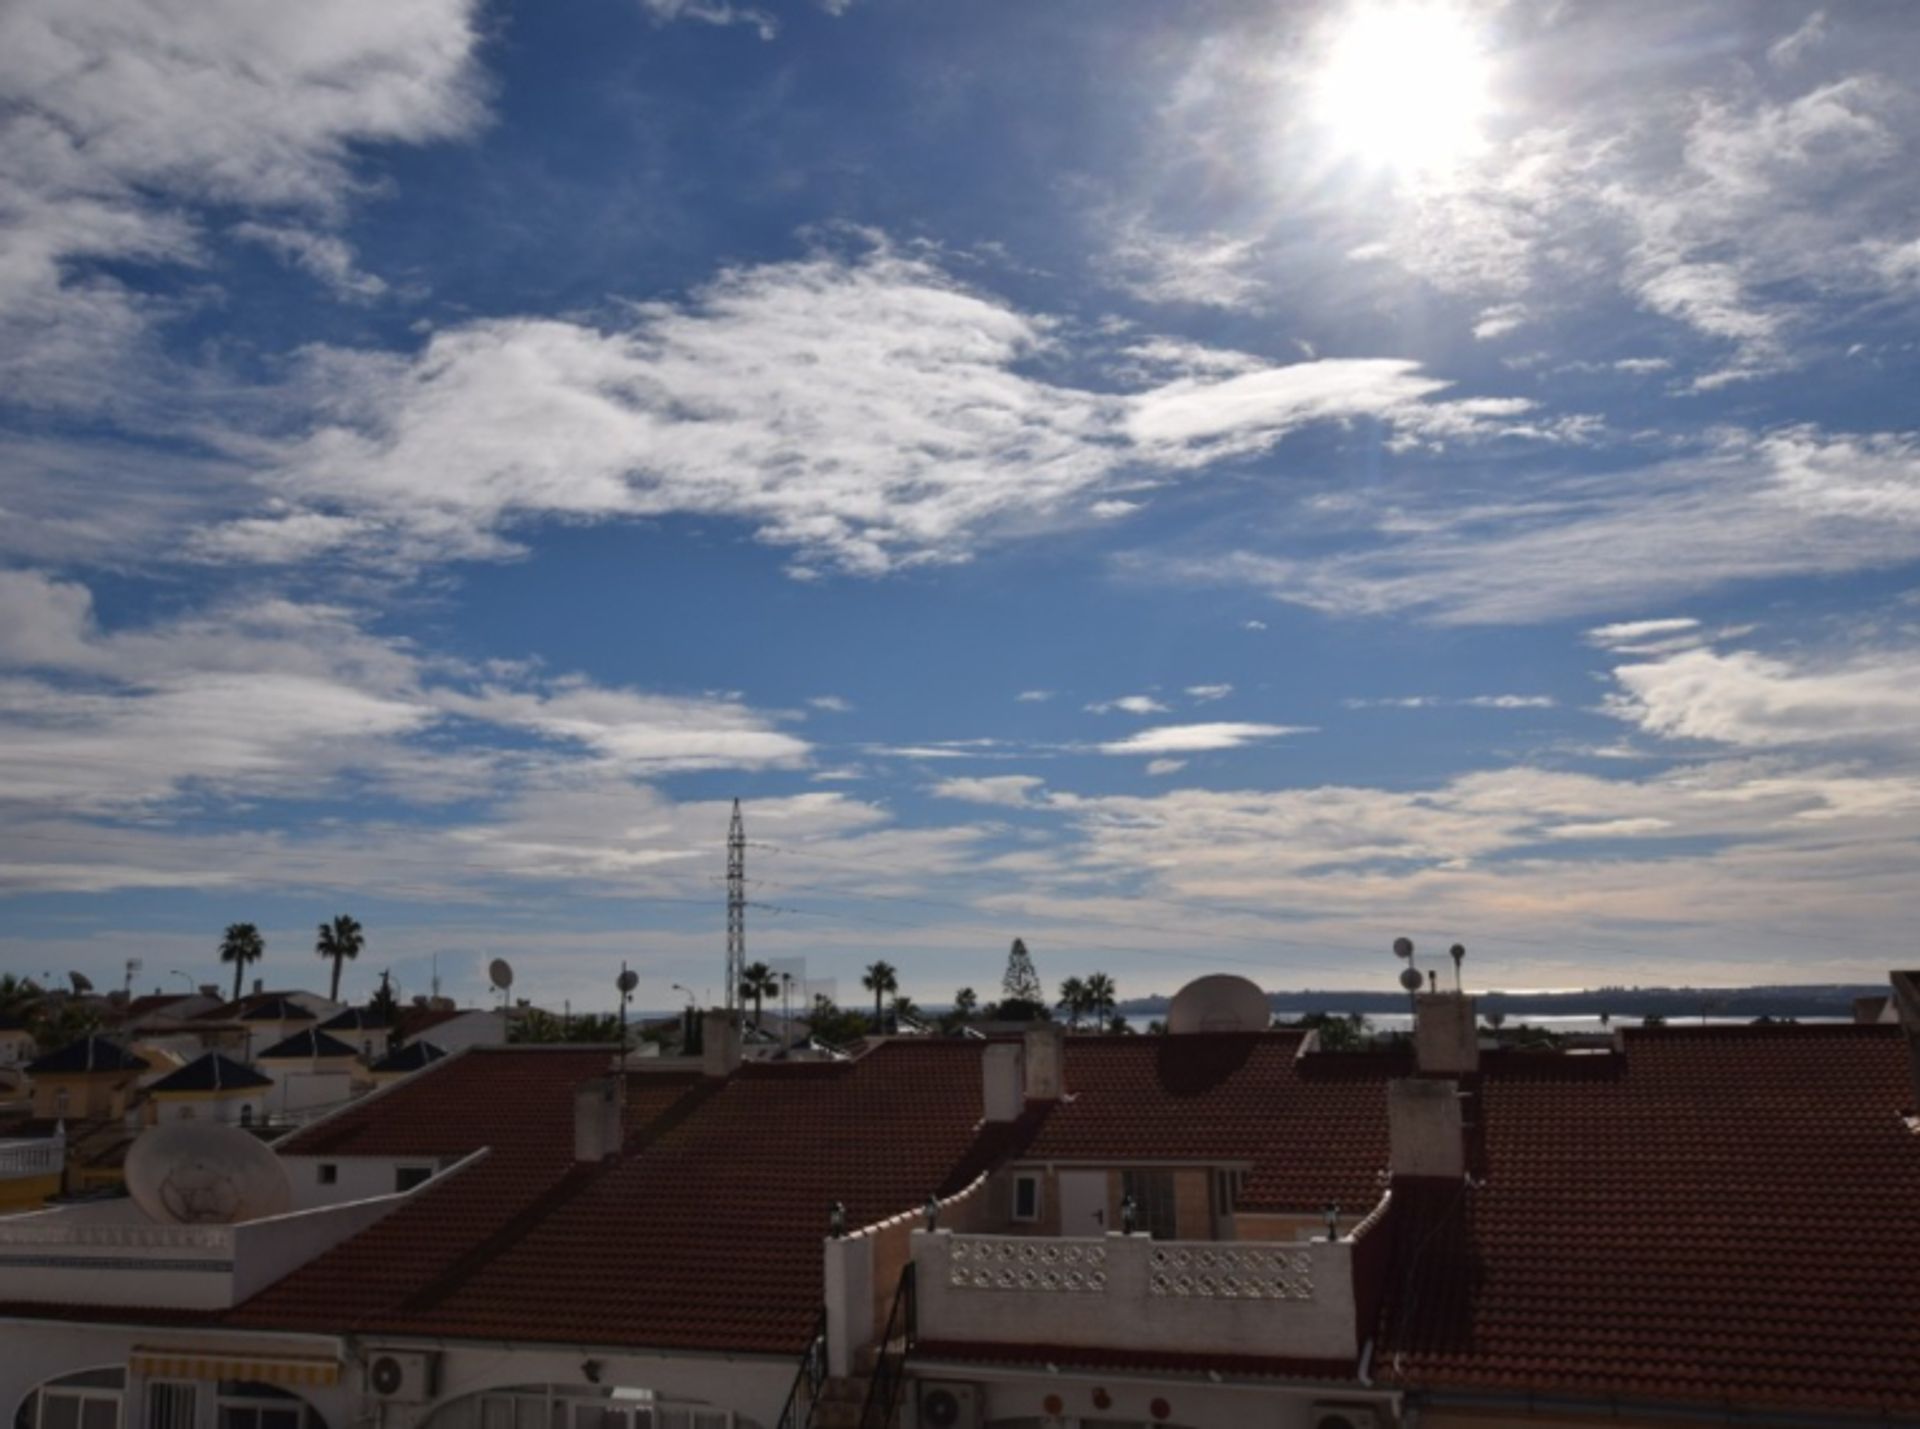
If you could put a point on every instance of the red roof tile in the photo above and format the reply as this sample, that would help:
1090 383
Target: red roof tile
1722 1214
1314 1129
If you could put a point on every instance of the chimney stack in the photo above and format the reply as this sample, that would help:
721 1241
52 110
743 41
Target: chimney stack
719 1042
1044 1049
1426 1134
1906 1006
1446 1034
1002 1080
597 1108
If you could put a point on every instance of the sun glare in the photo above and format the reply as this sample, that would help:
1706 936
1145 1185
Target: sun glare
1404 86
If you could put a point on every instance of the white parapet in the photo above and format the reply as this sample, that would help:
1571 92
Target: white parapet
1273 1298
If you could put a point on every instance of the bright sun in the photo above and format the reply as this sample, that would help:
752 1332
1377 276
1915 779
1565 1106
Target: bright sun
1404 85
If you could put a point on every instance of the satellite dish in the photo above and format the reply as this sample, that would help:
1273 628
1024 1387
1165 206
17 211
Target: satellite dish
81 982
188 1173
1403 947
1410 979
1219 1002
500 974
627 981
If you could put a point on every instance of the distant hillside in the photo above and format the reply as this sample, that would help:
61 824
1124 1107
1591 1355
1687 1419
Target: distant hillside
1808 1000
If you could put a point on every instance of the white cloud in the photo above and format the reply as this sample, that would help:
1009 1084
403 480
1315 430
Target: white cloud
325 256
1160 768
1499 320
1476 702
1751 700
120 121
1017 791
713 12
1630 633
1790 50
1198 738
1034 697
1206 694
832 704
1128 704
866 412
1206 270
1792 502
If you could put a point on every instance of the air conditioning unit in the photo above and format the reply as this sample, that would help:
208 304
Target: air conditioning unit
946 1405
402 1376
1345 1416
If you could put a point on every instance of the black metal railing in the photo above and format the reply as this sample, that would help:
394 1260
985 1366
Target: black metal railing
812 1374
890 1369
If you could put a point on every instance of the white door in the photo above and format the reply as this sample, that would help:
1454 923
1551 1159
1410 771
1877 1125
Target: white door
1083 1203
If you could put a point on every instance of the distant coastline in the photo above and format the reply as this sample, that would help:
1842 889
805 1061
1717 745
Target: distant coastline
1814 1000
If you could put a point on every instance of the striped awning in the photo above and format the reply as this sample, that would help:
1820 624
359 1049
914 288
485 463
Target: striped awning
231 1364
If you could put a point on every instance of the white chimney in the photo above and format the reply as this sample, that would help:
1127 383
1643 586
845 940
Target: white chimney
1905 1001
597 1108
1045 1048
1426 1133
1002 1080
1446 1034
719 1042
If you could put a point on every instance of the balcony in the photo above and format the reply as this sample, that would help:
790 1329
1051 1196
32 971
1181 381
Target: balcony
31 1159
1287 1299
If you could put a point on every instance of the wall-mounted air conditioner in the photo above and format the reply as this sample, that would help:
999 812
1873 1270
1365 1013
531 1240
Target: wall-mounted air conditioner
947 1405
402 1376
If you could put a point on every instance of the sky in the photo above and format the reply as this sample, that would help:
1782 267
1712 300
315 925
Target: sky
1201 487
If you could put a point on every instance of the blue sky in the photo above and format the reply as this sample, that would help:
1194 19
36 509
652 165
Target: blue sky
1202 486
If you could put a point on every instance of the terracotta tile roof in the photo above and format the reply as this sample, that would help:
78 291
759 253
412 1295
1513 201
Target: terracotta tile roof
1724 1214
1315 1130
705 1234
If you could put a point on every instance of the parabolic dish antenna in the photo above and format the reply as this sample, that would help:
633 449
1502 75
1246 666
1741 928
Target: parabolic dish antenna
1219 1002
190 1173
500 974
628 980
1403 947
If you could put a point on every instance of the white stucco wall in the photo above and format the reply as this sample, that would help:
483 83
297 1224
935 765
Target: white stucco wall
356 1178
1124 1312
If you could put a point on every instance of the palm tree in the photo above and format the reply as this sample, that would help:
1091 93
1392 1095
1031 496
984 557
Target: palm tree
758 982
965 1003
904 1006
1101 995
1073 1001
340 940
241 945
881 978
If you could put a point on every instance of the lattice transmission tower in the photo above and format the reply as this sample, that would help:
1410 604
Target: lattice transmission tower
736 907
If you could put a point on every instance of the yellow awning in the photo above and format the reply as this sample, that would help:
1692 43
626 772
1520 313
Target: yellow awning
227 1364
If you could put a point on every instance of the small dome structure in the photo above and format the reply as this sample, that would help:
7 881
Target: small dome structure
1219 1002
202 1173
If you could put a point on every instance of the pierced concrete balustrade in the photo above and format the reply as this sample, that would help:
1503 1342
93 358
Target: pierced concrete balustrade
1292 1299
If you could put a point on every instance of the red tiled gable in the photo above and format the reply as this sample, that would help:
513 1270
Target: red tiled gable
1314 1129
705 1234
1727 1214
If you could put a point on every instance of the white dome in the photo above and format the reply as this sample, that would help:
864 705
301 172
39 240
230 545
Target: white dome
1219 1002
205 1173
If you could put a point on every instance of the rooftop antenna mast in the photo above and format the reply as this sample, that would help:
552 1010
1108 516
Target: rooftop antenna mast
736 909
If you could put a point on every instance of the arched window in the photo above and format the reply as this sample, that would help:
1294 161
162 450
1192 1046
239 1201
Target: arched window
88 1400
246 1113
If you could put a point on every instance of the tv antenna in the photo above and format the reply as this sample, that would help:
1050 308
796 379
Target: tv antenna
736 909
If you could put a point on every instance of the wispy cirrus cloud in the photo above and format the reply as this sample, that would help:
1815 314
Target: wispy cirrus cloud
1199 738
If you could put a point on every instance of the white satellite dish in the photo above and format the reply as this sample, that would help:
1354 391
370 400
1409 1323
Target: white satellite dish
1403 947
203 1173
500 974
1219 1002
627 981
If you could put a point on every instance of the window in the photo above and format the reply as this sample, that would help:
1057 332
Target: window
246 1113
405 1178
1152 1193
170 1406
1026 1198
88 1400
326 1173
62 1101
248 1404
